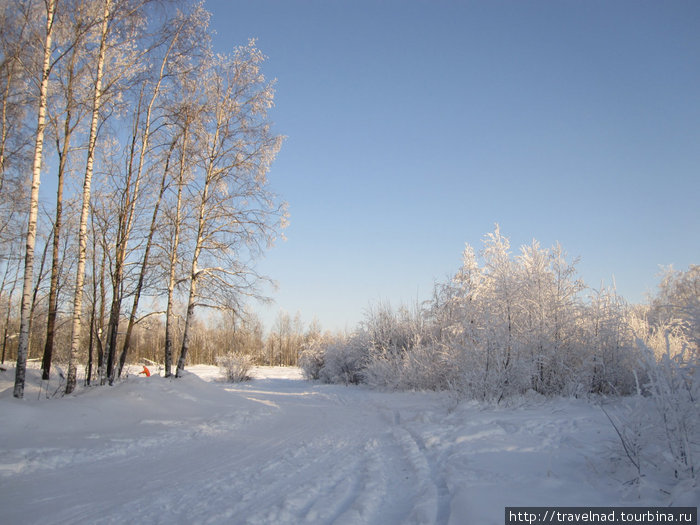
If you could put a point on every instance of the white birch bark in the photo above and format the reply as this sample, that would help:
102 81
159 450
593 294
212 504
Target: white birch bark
71 379
21 368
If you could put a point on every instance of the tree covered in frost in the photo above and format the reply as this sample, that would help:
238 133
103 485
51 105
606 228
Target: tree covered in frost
170 145
504 324
677 303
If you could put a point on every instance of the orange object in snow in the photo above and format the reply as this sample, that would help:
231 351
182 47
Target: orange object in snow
145 371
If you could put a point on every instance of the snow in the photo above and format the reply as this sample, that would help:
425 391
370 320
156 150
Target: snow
282 450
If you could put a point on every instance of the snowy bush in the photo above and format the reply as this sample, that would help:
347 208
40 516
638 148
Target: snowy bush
522 324
660 428
235 367
422 366
632 429
344 360
403 353
312 358
674 386
677 303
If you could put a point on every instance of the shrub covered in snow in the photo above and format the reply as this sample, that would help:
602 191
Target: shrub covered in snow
677 303
674 386
312 358
659 428
422 366
659 431
402 353
345 359
235 367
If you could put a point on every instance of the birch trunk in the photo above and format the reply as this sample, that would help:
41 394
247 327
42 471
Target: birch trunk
93 308
144 264
169 315
123 232
62 150
5 334
71 379
4 126
194 273
23 347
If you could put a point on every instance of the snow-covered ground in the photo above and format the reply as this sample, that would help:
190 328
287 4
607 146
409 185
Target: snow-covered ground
281 450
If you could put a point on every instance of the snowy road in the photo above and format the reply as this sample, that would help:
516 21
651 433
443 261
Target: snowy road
279 450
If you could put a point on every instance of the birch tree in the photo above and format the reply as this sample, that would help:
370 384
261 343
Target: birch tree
17 98
179 41
236 215
121 25
71 378
23 346
174 246
68 112
183 112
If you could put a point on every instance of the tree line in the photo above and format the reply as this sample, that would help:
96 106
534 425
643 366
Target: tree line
506 324
158 149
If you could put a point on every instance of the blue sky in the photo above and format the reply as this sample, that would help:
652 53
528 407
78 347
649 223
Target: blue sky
413 126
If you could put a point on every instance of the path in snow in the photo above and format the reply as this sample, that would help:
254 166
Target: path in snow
285 451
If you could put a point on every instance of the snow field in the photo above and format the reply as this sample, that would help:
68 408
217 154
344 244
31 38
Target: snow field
282 450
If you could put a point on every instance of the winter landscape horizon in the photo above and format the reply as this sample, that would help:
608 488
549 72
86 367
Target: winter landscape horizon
333 262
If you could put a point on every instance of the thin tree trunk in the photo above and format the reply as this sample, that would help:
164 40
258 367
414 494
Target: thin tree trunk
71 380
9 307
91 341
5 275
53 289
188 323
93 309
144 264
35 293
3 134
113 323
99 329
124 219
58 223
169 315
144 148
23 347
194 274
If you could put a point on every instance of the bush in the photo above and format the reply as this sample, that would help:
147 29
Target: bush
660 429
674 386
422 366
311 359
344 361
235 367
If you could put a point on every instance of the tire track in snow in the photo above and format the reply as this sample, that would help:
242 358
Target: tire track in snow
326 455
372 471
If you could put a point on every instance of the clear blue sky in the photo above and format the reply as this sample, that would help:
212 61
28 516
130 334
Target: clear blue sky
414 126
